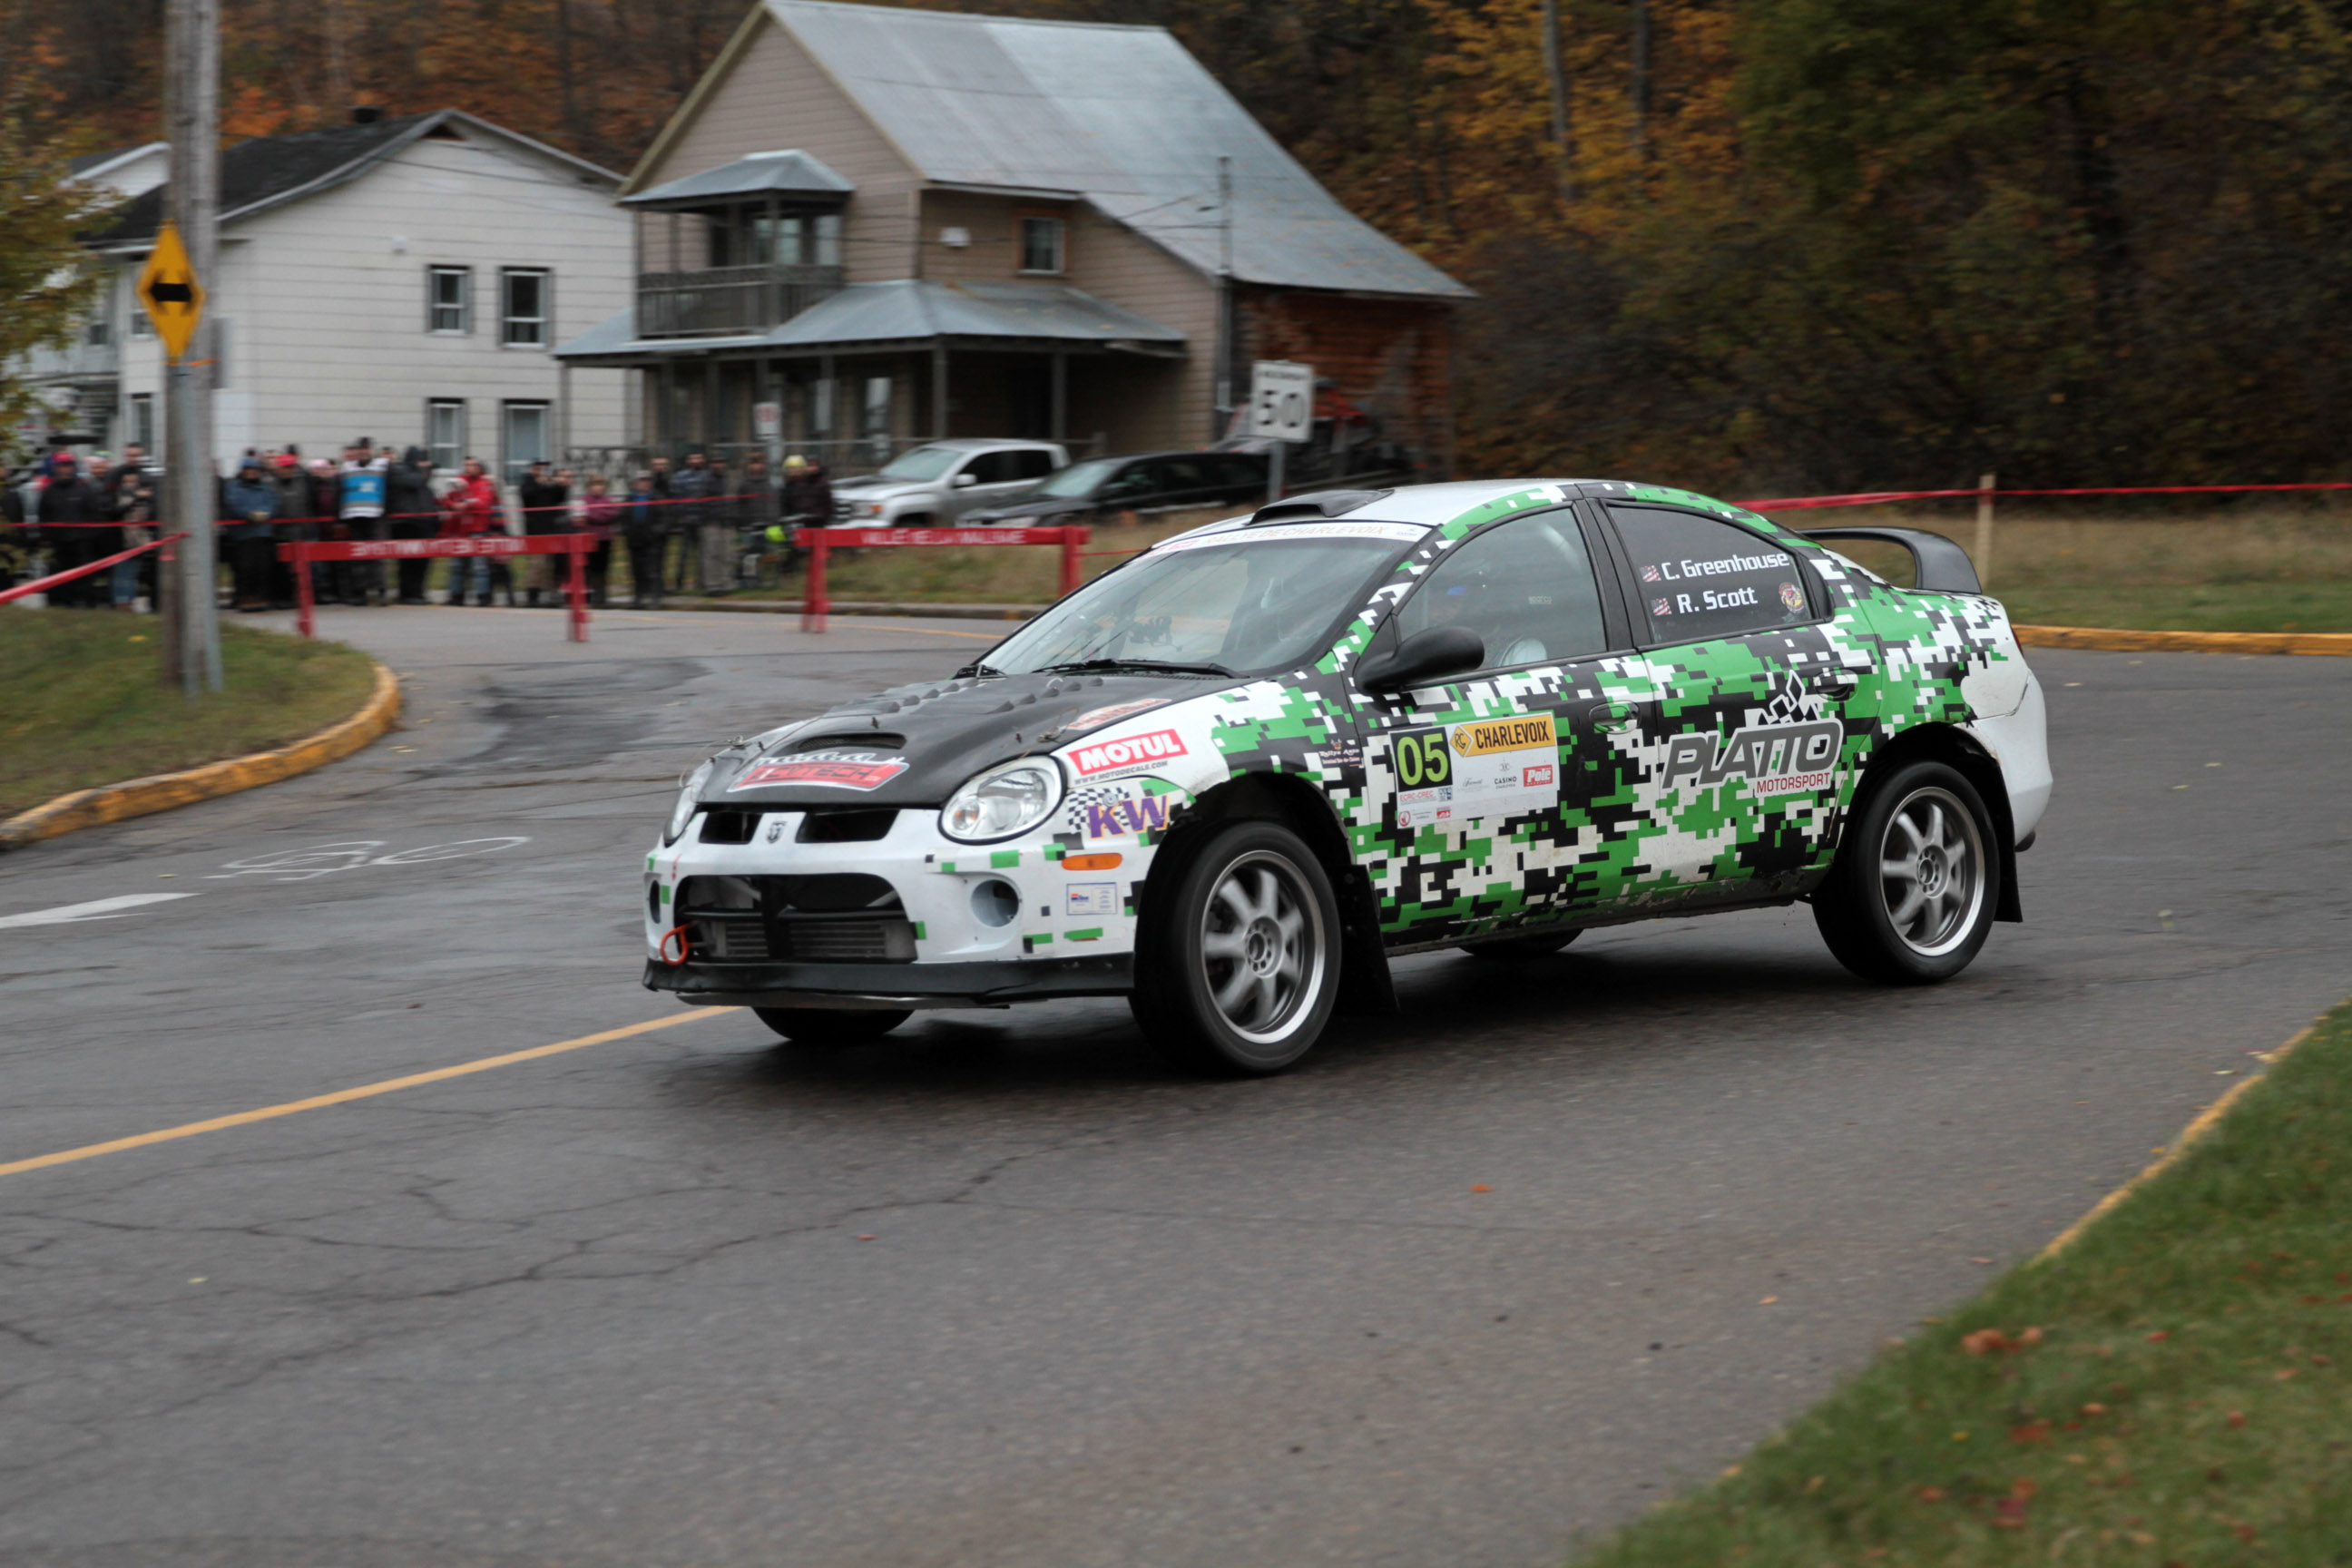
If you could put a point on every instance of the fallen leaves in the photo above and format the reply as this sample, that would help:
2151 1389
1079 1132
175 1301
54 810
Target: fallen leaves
2237 1418
1992 1341
2029 1432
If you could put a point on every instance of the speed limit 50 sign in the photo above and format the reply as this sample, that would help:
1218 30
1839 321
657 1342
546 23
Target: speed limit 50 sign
1281 400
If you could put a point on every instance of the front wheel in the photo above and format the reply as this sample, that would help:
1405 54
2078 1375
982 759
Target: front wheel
830 1028
1912 895
1237 971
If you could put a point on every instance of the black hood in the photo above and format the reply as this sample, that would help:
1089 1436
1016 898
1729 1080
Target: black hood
942 731
1035 510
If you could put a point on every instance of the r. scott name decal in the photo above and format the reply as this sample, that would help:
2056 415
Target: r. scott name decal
1774 759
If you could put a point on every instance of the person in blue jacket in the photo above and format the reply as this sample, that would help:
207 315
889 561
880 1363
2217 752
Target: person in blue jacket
247 504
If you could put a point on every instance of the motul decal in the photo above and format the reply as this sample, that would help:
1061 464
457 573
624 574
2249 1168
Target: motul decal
1136 751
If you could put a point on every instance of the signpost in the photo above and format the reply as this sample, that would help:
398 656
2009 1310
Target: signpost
1281 410
186 247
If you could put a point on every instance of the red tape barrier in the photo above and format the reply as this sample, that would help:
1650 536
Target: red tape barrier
300 553
623 501
42 584
1799 503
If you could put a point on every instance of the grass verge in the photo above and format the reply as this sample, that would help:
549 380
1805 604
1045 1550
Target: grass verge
85 707
2209 607
2168 1390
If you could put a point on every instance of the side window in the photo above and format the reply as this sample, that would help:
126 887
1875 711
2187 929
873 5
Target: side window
1701 578
1180 474
1135 479
991 468
1031 463
1237 469
1526 587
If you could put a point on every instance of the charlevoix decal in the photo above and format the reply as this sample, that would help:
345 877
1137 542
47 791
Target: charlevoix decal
1774 759
1096 718
1135 750
832 769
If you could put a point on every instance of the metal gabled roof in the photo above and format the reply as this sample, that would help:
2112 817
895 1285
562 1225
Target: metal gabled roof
1120 116
791 171
909 311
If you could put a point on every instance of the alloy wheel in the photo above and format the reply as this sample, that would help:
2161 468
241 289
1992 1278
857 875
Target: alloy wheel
1261 945
1931 870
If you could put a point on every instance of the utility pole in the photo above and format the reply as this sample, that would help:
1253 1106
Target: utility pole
192 51
1224 415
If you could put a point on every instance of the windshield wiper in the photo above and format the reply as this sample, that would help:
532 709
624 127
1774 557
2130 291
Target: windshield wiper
1171 667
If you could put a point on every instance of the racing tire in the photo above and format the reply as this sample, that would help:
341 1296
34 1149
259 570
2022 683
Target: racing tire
1913 892
1521 948
1237 968
830 1028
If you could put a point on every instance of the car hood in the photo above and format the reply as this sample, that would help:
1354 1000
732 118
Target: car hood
871 486
914 745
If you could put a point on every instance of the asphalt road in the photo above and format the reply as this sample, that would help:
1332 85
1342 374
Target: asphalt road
1001 1292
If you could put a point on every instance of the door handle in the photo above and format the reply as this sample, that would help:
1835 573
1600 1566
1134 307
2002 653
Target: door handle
1841 683
1611 715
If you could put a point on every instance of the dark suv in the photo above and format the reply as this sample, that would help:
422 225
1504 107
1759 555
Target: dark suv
1102 488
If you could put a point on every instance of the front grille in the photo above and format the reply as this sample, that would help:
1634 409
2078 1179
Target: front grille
729 824
848 825
839 918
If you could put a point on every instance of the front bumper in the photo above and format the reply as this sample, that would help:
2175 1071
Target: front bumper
912 986
1057 932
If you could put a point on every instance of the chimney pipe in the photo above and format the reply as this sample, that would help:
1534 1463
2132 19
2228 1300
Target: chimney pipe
366 113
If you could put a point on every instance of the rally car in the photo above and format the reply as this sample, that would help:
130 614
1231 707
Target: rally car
1232 778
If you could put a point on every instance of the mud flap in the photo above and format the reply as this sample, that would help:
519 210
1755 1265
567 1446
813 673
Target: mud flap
1365 984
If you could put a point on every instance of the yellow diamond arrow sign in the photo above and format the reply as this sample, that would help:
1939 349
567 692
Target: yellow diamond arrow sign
168 285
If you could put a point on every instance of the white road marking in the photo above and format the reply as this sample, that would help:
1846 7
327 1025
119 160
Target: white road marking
96 910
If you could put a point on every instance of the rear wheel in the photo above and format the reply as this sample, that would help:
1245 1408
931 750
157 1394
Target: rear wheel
830 1028
1236 973
1520 949
1913 893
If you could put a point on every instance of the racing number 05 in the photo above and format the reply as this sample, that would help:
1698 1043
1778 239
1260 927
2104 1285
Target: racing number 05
1424 759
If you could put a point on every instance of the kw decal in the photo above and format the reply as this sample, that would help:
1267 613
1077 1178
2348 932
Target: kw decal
1126 818
1773 758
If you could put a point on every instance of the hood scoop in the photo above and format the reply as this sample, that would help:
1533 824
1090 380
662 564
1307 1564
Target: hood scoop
845 740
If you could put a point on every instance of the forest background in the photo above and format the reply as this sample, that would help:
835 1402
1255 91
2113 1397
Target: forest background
1760 244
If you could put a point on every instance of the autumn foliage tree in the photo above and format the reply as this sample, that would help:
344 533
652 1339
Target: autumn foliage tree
45 289
1773 243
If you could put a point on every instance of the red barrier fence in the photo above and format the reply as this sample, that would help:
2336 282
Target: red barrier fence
42 584
819 540
300 553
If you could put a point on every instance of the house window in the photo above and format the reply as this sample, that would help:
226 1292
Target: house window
522 306
1041 245
828 240
143 420
527 425
449 299
99 331
445 432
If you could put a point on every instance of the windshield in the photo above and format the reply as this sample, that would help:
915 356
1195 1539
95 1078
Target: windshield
922 463
1253 600
1078 478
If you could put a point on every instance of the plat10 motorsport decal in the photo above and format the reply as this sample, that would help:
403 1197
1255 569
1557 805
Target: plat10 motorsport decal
1773 758
1504 766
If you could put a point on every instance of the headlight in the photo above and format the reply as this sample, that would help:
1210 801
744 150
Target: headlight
1009 798
683 812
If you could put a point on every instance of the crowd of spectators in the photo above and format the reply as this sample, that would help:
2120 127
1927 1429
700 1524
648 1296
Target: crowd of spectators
694 525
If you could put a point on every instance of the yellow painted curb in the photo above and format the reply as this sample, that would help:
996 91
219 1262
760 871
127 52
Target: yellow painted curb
138 797
2206 1121
2116 640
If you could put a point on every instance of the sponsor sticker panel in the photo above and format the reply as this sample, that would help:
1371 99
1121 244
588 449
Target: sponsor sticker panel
830 770
1506 765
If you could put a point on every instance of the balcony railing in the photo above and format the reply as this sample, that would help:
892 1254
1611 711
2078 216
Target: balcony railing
719 301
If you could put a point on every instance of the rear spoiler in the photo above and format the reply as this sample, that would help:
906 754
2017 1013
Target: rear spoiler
1938 565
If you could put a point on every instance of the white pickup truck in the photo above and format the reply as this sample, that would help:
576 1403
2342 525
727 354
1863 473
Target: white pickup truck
933 484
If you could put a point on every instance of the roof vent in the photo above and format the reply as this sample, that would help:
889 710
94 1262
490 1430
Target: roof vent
1324 503
366 113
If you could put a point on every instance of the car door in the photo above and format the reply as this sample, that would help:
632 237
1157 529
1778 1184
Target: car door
1743 766
1182 481
996 480
1132 487
1505 795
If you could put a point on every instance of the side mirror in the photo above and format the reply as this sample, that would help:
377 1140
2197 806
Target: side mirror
963 479
1423 658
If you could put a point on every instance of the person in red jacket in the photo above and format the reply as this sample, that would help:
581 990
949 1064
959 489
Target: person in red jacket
466 513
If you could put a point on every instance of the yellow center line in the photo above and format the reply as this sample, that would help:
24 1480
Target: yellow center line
345 1096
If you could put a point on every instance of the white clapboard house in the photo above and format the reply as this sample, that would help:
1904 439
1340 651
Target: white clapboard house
398 279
